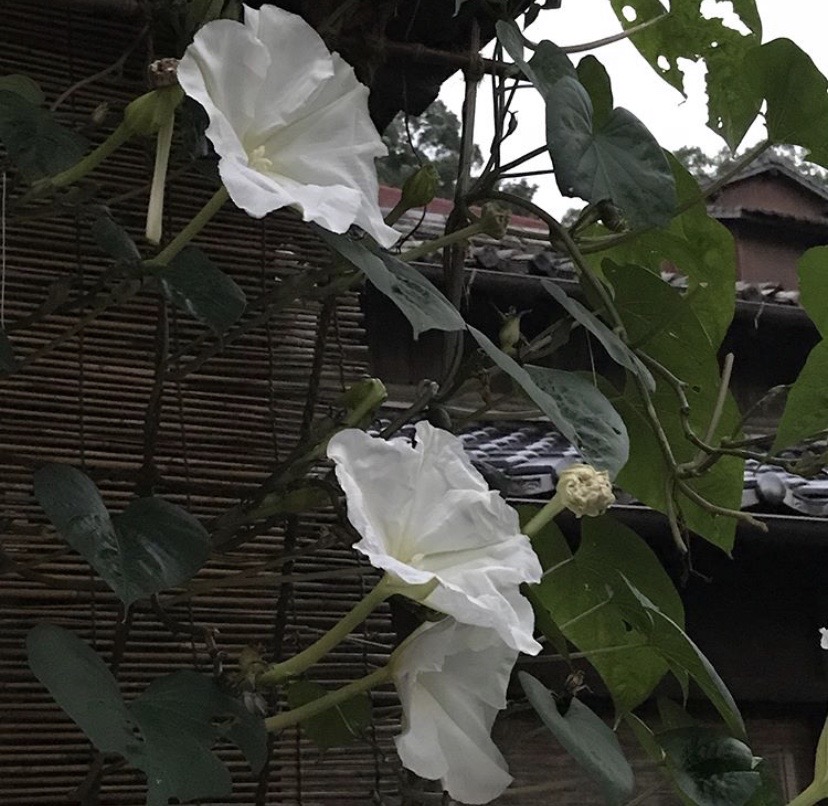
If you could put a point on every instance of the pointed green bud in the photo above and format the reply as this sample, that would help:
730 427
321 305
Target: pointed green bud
420 188
148 113
361 400
494 221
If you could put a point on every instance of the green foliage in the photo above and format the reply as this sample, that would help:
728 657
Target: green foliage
710 769
151 546
424 306
590 742
193 283
604 443
36 144
167 732
115 241
340 725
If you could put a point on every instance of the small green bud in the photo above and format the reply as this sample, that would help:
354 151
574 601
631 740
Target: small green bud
148 113
420 188
494 221
362 399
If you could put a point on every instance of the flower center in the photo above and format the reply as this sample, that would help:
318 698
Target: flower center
259 162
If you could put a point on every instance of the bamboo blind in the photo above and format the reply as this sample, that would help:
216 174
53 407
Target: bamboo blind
221 428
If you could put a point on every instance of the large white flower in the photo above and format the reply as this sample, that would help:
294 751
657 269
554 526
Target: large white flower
425 513
452 679
288 119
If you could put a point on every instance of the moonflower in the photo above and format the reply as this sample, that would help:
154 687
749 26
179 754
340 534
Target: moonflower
288 120
426 514
823 637
451 679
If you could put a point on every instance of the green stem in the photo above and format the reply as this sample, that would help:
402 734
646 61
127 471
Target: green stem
554 507
192 229
278 672
155 209
438 243
303 712
809 796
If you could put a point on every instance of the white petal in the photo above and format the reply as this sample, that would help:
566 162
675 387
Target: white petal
823 640
452 680
223 69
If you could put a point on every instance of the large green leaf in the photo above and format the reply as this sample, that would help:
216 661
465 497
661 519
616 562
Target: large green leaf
695 245
813 286
661 323
580 432
424 306
337 726
192 282
548 63
587 738
36 144
806 409
151 546
167 731
602 436
796 93
23 86
686 33
711 769
611 341
596 81
615 159
673 644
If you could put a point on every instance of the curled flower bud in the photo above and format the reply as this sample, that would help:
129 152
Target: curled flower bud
585 490
494 221
420 187
149 112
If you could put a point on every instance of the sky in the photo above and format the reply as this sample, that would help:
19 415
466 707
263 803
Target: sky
674 120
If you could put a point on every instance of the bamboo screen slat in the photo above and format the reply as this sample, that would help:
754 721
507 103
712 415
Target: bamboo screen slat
220 429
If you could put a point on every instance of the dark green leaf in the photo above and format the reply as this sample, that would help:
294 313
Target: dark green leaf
8 363
192 282
83 686
712 770
587 738
618 160
796 93
593 76
167 731
769 792
181 716
645 738
670 640
548 64
23 86
687 33
424 306
615 347
673 715
115 241
151 546
601 434
35 143
813 286
806 409
337 726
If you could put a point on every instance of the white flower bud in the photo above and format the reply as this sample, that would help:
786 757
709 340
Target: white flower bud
585 490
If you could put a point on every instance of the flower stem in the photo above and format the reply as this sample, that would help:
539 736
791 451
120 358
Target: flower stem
303 712
192 229
550 510
155 210
809 796
438 243
278 672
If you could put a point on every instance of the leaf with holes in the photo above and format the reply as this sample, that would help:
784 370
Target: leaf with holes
151 546
425 307
167 732
192 282
587 738
337 726
601 434
710 769
36 144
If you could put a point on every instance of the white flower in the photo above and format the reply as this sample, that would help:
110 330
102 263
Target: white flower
823 637
288 119
425 513
585 490
452 679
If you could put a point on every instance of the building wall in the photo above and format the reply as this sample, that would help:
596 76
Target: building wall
773 193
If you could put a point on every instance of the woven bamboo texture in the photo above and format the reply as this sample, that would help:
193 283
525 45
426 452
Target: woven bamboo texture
221 429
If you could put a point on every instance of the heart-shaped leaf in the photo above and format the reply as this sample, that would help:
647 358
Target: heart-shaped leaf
587 738
151 546
196 285
167 731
